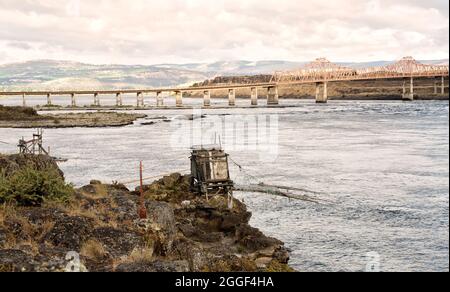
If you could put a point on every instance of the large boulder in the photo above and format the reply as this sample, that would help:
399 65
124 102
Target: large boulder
161 226
174 188
253 239
214 215
9 164
118 242
70 232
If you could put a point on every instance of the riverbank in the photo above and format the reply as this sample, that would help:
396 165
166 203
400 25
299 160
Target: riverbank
100 224
19 117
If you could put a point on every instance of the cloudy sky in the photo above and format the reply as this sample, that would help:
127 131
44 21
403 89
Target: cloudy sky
180 31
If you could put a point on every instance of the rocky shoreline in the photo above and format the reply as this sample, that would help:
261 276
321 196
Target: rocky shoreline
183 233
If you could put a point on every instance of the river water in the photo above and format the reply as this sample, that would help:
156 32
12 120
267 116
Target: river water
381 167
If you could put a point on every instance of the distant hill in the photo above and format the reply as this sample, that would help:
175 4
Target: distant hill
66 75
43 74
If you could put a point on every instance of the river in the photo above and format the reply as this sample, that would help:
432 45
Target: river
381 167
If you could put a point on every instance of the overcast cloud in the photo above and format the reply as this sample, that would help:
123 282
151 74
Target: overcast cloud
180 31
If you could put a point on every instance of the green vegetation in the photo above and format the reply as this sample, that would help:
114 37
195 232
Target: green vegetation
31 187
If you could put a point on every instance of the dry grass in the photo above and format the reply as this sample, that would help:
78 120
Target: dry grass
43 229
101 212
141 255
138 255
94 250
31 233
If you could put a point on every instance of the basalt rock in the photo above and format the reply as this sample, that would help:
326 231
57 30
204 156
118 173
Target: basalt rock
118 242
70 232
182 232
15 261
12 163
253 239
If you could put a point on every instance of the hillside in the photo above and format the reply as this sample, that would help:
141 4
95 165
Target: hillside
54 75
66 75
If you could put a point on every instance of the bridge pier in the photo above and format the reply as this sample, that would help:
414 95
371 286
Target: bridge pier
140 99
207 98
272 95
119 101
231 97
436 83
179 98
321 92
159 99
24 102
408 96
49 99
443 85
96 100
254 95
73 102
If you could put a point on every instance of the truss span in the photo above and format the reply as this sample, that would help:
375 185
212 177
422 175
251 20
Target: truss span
322 70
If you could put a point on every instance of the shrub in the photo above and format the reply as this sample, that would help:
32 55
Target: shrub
18 113
31 187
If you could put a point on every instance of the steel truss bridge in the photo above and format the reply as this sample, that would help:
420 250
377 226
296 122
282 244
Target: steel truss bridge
319 72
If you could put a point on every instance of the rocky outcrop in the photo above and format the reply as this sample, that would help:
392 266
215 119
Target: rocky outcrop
10 164
183 233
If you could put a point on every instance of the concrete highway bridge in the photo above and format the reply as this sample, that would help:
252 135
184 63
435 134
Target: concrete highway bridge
319 72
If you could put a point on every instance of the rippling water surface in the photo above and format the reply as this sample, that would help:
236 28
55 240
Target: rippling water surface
383 168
